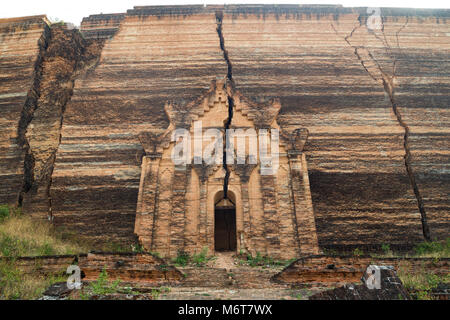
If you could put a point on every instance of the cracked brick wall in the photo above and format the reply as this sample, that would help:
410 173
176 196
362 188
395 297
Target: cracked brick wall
374 102
22 41
336 77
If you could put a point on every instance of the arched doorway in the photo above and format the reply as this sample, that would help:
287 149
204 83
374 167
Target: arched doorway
225 223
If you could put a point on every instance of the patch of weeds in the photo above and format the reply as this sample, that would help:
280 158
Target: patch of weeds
155 294
433 248
204 294
16 284
163 267
330 252
11 246
22 235
165 289
102 286
138 248
198 259
358 252
201 258
421 284
428 247
264 261
386 248
47 250
182 259
4 212
299 296
128 290
288 262
115 247
156 254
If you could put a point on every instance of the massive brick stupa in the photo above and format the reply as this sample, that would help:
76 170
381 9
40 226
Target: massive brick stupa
360 101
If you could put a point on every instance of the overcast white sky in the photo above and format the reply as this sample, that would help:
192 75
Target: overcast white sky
74 10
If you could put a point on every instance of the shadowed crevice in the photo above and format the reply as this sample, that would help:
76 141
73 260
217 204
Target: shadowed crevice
27 113
63 56
230 90
388 86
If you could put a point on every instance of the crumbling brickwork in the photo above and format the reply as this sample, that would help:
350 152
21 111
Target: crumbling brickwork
362 113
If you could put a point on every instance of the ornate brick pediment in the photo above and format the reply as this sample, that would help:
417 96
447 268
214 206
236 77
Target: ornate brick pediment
294 139
263 115
153 142
177 202
213 109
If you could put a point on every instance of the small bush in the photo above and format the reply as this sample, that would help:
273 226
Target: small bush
15 284
330 252
156 254
4 212
421 284
155 294
202 258
259 260
115 247
102 286
387 252
22 235
47 250
428 247
138 248
182 258
198 259
358 252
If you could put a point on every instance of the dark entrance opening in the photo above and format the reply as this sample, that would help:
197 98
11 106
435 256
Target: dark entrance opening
225 226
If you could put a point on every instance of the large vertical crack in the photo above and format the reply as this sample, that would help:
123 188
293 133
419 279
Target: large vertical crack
27 113
64 54
388 86
230 90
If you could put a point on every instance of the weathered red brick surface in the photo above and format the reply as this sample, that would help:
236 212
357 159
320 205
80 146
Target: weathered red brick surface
374 102
322 269
22 42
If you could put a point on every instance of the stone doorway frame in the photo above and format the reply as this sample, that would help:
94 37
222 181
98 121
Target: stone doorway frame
231 199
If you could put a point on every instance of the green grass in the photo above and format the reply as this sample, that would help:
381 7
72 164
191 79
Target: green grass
439 249
420 284
16 284
4 212
21 235
358 252
201 258
155 294
426 249
182 259
198 259
101 286
259 260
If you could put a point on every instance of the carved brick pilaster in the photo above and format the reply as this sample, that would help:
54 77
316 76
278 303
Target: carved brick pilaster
271 226
178 218
203 170
303 209
244 172
147 198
